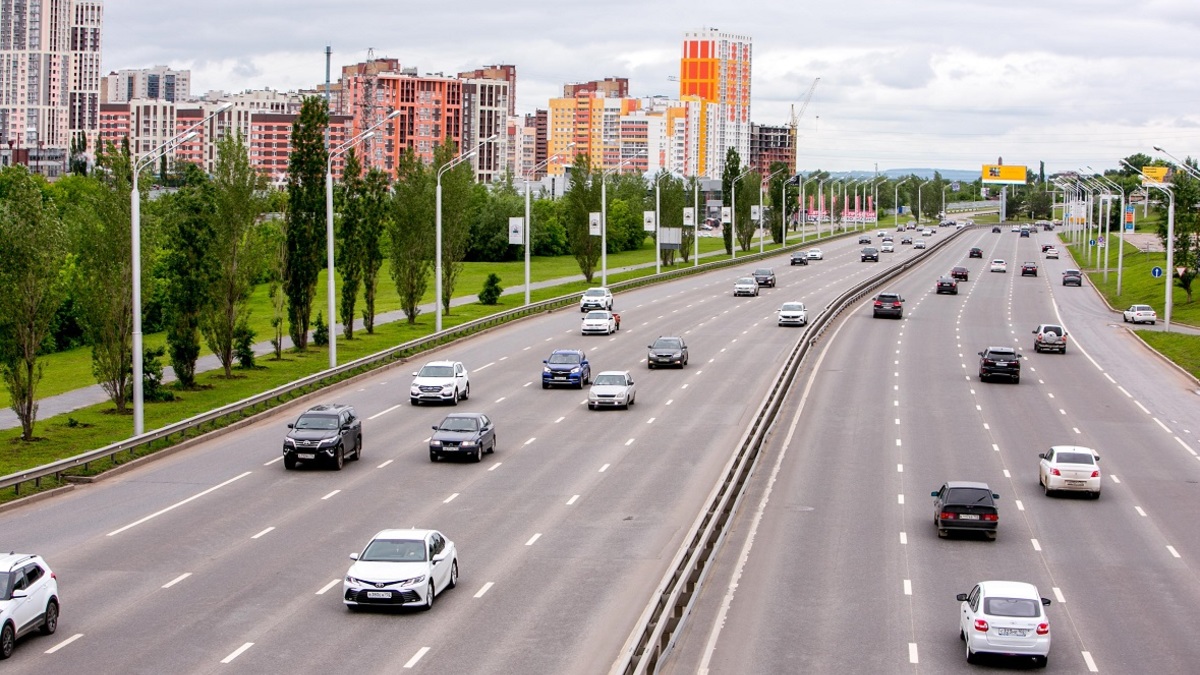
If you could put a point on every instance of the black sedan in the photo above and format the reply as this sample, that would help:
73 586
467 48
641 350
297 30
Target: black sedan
1072 278
975 253
961 273
965 506
947 285
463 435
996 229
799 258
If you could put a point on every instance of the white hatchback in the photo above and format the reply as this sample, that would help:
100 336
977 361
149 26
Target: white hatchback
999 266
1006 618
401 567
1070 468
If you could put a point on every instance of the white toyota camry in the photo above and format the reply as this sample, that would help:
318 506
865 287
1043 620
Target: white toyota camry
401 568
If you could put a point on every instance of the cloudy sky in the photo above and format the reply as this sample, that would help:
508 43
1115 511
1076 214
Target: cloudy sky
904 83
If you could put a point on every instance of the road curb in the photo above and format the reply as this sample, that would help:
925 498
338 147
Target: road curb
34 498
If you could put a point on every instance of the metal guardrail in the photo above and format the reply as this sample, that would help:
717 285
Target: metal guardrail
259 402
662 621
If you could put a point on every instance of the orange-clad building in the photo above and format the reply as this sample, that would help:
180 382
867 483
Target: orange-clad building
715 67
593 123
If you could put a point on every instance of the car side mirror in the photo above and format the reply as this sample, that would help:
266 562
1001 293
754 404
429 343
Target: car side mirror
631 382
1041 455
961 597
439 557
995 496
649 346
981 353
19 594
291 426
1065 333
354 556
434 427
933 494
545 360
1097 458
1045 602
414 373
1034 331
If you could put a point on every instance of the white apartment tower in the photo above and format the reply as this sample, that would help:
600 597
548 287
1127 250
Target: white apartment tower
159 83
88 20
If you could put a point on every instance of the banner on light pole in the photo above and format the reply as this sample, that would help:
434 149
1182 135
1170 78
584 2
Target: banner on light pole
726 215
755 213
689 216
516 230
594 223
648 221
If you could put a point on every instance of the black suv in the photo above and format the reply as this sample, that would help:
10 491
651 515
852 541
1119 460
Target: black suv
947 285
975 253
999 361
765 276
870 253
799 258
667 351
864 239
888 304
965 506
324 433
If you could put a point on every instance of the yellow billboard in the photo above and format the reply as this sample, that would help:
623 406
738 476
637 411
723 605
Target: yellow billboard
1155 174
1003 174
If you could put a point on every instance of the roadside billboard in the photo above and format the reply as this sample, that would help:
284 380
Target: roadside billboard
1003 174
1156 174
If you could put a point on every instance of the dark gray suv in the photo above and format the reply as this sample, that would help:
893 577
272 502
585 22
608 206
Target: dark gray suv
999 362
888 304
328 433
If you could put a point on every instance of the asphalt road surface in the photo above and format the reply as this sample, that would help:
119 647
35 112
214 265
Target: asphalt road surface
218 558
834 564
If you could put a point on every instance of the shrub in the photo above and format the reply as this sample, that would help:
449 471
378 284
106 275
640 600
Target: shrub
320 331
491 290
243 345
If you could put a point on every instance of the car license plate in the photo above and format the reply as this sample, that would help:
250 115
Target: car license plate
379 595
1011 632
968 516
305 455
1076 483
560 377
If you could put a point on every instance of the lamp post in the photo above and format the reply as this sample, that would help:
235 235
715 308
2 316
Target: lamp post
944 188
896 200
919 197
762 218
733 212
604 213
1108 184
528 227
135 212
331 302
820 204
1170 275
437 261
657 220
1182 165
696 221
875 194
803 215
1092 187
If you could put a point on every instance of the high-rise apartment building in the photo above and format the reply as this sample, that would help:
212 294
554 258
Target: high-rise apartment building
87 22
770 144
485 116
507 73
715 67
609 87
591 122
157 83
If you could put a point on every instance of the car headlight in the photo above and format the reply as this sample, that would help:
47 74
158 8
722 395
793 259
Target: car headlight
575 369
447 388
546 370
469 444
415 389
358 582
415 581
289 443
435 444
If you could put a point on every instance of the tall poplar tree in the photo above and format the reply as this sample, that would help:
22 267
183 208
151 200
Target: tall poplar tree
376 214
733 168
581 199
410 231
188 270
349 246
456 217
305 225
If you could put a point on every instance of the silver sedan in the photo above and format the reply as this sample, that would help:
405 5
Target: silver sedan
612 389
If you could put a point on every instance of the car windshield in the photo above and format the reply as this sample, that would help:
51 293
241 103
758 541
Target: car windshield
1019 607
1071 273
889 298
436 371
318 422
597 315
594 293
564 358
394 550
745 280
666 343
997 262
1074 458
762 271
792 307
968 496
459 424
617 380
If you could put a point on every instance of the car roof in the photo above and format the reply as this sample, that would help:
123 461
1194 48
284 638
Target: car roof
10 560
1072 448
328 408
402 533
567 351
1010 589
1002 349
967 484
611 372
440 363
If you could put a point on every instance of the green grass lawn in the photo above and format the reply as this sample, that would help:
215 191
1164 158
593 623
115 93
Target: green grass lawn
1182 349
1138 286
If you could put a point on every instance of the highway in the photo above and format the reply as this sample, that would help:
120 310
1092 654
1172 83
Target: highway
833 564
217 558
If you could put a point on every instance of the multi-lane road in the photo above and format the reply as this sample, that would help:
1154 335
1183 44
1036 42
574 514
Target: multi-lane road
834 565
216 557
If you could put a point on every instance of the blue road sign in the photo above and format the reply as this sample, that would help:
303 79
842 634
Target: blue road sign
1157 272
1129 227
1091 242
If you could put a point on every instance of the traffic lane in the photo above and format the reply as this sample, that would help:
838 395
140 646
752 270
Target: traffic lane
793 609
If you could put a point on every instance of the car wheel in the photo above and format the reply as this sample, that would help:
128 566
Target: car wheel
50 624
1095 495
358 449
478 454
453 574
1124 319
943 533
414 401
1046 489
591 407
429 593
1151 323
455 398
8 640
961 635
650 365
971 657
433 456
1017 379
1041 661
289 463
493 445
1063 350
545 385
467 392
991 536
339 459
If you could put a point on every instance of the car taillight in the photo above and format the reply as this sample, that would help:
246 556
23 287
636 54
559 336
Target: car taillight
981 625
1055 472
946 515
54 576
895 304
991 517
1043 629
878 303
1096 474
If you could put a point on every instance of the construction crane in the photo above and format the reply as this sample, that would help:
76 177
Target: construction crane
796 117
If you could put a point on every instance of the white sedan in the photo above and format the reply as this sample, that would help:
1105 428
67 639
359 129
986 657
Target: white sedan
1140 314
1072 468
918 244
792 314
815 254
999 266
598 322
1007 618
612 389
401 567
1052 253
887 247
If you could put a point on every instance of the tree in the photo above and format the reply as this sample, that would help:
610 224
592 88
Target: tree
274 249
627 232
747 196
305 216
688 240
410 231
238 250
31 289
547 235
775 190
582 198
623 221
733 168
492 206
349 249
376 208
1187 229
671 200
456 217
189 270
78 164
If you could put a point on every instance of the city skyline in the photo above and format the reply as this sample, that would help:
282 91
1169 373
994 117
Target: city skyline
930 85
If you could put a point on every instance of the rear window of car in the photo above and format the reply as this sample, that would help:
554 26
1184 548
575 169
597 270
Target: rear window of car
1074 458
1141 308
1018 607
968 496
888 297
1002 354
597 315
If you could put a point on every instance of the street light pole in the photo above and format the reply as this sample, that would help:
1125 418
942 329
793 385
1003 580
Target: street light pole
438 228
761 217
919 198
896 201
820 204
528 226
1170 271
696 221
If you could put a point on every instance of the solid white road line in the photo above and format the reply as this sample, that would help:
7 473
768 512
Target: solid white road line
530 440
263 532
327 586
237 652
449 499
277 459
485 589
177 504
64 643
629 442
330 495
1058 595
1091 665
177 579
1110 378
1174 553
385 464
1186 446
417 657
381 414
604 468
572 500
533 539
912 652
